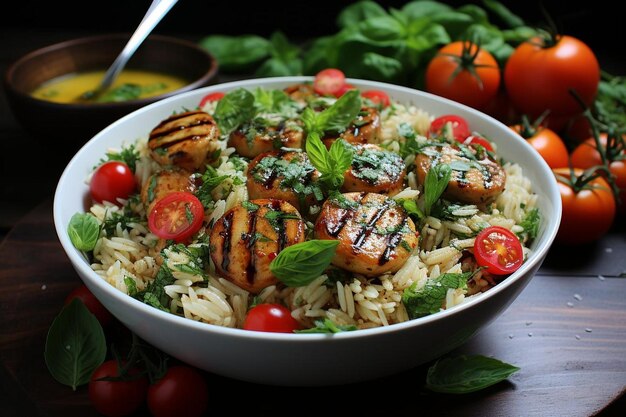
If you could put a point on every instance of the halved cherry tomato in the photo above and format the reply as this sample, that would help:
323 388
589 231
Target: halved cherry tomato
270 318
478 140
176 216
460 127
330 82
112 180
378 97
499 250
217 96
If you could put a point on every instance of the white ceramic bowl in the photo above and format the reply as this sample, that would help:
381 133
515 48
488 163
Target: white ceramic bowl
307 359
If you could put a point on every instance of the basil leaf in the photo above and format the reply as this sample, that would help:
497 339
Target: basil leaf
502 12
341 159
429 299
75 345
233 109
435 184
83 231
236 53
358 12
300 264
318 154
465 374
410 206
341 113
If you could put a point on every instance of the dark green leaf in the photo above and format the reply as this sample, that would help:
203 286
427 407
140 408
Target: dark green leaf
83 231
501 11
233 109
419 9
298 265
338 116
382 28
410 206
429 299
318 153
465 374
358 12
317 55
236 53
382 68
75 345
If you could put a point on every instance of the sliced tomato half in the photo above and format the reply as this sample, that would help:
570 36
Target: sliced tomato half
330 82
378 97
177 216
499 250
217 96
460 127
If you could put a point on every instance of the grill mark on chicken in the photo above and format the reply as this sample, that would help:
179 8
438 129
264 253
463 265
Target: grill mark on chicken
367 229
393 240
195 123
346 215
226 235
251 268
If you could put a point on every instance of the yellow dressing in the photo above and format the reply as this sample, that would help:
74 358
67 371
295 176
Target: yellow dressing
69 88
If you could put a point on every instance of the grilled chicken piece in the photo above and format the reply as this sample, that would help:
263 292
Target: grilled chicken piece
164 182
364 129
475 180
284 175
300 92
251 140
188 140
375 234
374 170
248 237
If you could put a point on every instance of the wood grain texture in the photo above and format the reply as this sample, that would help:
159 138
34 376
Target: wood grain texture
567 334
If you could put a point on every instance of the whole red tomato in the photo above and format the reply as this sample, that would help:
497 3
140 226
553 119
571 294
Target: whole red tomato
545 141
587 214
586 155
91 302
464 72
539 75
182 391
116 398
112 180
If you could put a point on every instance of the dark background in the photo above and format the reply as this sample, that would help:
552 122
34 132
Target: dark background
595 22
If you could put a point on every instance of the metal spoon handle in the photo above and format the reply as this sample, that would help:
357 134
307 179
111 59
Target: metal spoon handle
155 13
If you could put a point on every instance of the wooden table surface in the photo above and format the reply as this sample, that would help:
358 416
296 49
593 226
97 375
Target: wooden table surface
566 331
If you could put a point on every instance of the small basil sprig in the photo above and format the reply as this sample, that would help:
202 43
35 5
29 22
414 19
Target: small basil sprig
333 163
298 265
83 231
465 374
435 184
233 109
335 118
75 345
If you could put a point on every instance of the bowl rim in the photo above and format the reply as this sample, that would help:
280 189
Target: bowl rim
535 260
206 77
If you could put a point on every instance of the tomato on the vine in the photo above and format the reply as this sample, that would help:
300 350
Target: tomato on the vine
499 250
540 73
112 180
176 216
330 82
211 97
586 155
588 212
464 72
459 126
546 142
270 318
91 302
182 391
378 97
116 398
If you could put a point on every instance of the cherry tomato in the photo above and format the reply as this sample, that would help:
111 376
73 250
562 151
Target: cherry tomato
478 140
330 82
176 216
499 250
460 127
270 318
378 97
112 180
182 391
118 397
545 141
586 155
217 96
539 78
463 72
588 214
91 302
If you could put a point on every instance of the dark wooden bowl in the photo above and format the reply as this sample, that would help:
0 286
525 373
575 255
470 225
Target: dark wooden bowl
64 128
